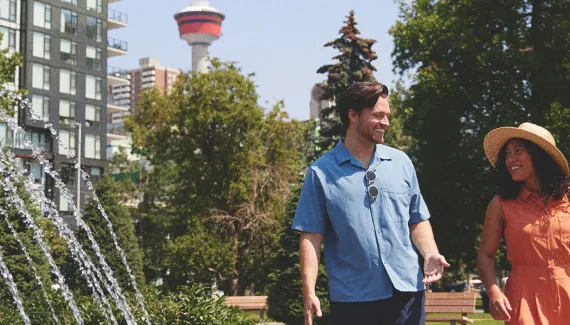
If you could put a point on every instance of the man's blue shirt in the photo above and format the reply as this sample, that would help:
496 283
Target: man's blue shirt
367 241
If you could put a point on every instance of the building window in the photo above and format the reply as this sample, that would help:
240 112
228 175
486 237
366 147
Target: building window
40 107
95 173
37 138
67 140
95 29
63 203
93 115
8 10
41 47
67 110
67 82
92 146
73 2
94 58
68 175
40 76
42 15
68 51
34 168
8 38
68 22
93 87
95 5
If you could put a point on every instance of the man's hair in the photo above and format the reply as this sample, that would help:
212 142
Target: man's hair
358 96
552 181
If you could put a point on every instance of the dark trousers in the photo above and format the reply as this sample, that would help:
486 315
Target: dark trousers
403 308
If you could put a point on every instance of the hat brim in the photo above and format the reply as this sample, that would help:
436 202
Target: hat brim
496 139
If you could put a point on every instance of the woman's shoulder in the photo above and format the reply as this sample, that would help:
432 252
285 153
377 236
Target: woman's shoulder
495 208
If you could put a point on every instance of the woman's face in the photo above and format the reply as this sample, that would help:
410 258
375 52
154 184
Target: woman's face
519 161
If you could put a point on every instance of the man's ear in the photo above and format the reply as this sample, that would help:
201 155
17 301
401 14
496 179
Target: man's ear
352 115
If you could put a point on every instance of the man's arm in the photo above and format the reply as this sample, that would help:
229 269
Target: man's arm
422 237
310 252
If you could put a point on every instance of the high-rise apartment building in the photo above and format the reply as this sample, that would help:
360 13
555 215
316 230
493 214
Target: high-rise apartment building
149 74
65 45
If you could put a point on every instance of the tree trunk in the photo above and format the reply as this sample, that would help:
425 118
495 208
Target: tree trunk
543 68
235 274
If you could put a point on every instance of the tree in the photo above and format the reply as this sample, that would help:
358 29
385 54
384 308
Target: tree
470 73
8 64
111 194
354 65
230 166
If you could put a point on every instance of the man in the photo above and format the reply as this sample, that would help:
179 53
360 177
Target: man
363 198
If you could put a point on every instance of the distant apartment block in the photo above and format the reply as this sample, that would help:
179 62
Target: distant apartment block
149 74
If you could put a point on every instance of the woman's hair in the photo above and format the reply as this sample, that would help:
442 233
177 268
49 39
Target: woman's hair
550 177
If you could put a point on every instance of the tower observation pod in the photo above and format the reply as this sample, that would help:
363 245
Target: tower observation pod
200 25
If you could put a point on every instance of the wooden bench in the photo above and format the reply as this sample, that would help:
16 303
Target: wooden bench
458 303
249 303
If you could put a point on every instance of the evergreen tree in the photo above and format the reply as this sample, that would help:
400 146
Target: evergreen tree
354 65
111 194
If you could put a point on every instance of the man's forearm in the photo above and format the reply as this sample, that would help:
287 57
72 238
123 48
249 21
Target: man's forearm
422 237
309 252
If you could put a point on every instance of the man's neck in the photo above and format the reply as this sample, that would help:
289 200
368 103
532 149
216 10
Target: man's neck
359 148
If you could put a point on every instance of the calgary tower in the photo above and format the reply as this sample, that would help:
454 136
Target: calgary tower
200 25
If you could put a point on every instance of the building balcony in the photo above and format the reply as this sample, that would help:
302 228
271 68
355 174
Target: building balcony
113 136
24 144
116 19
116 109
116 132
116 47
117 76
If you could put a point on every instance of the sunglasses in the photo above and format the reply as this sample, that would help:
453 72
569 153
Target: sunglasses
372 189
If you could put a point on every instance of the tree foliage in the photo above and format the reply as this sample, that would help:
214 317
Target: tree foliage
229 165
111 194
353 64
471 72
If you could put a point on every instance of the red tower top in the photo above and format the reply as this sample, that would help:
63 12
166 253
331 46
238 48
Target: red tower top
199 23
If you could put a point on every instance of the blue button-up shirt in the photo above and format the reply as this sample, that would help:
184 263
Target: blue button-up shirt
367 241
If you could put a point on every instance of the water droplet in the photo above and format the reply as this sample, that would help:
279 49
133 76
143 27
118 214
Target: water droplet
53 131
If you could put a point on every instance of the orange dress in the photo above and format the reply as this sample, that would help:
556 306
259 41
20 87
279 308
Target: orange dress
538 247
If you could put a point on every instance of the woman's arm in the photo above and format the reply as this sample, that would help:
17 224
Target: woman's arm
491 238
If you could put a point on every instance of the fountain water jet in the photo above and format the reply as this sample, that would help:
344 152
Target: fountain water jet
89 270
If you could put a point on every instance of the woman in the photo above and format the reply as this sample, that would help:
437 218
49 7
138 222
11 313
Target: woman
533 211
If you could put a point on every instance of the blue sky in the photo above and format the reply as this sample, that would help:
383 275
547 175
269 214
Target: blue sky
281 41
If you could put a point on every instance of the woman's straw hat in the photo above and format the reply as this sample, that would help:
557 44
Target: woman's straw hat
497 138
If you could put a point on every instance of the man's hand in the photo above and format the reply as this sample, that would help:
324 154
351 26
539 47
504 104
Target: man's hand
312 307
433 267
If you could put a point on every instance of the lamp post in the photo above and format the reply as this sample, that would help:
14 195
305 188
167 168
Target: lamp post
79 169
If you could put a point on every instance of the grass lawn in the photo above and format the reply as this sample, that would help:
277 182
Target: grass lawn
480 319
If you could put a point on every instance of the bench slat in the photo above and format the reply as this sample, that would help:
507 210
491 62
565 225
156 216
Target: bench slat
459 319
450 309
450 302
247 303
452 295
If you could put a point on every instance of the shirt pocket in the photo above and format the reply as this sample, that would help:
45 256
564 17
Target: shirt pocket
395 202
